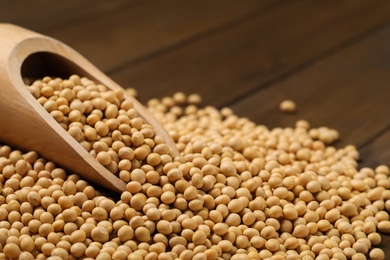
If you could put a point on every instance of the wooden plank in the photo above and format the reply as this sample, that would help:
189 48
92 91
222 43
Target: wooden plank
236 61
113 40
44 15
347 91
377 151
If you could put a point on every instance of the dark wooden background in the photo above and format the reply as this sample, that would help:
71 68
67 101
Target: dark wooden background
331 57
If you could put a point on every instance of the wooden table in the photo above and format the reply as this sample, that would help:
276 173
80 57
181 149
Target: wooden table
331 57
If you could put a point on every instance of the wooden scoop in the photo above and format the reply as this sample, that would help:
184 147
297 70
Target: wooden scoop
26 125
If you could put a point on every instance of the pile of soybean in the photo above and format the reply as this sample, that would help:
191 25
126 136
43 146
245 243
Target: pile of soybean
236 191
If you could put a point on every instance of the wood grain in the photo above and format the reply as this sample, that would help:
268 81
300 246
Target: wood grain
45 16
251 54
347 91
376 151
149 28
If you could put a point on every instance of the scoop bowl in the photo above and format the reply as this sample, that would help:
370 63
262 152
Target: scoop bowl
26 125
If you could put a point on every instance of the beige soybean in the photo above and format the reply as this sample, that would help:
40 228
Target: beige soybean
237 191
288 106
